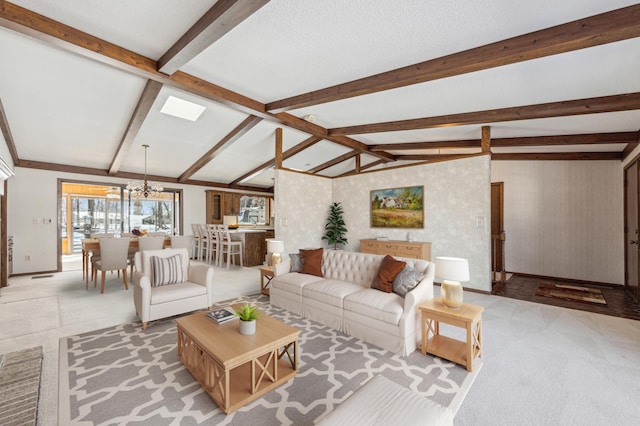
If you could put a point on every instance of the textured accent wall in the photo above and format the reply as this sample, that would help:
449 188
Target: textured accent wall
456 195
563 218
301 209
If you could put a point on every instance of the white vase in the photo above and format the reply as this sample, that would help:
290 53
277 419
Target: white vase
247 327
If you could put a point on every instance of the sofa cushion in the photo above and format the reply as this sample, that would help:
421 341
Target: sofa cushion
386 307
296 262
311 262
331 292
293 282
166 270
389 268
173 292
406 281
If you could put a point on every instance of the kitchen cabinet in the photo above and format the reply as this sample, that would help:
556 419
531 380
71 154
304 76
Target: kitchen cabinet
214 207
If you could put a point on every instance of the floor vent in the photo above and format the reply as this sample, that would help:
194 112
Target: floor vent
35 277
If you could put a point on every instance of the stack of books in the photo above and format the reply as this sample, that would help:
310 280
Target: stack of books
222 315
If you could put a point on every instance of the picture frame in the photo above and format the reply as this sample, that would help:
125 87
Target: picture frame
397 207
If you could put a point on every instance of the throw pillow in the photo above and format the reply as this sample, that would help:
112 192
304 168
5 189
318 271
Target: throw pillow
311 262
166 270
406 281
296 262
389 268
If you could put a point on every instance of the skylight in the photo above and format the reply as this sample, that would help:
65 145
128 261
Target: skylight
182 109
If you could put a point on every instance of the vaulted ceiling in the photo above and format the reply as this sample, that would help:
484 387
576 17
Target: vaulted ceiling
354 85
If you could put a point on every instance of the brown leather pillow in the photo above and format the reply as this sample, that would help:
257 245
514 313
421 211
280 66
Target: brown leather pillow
311 262
389 268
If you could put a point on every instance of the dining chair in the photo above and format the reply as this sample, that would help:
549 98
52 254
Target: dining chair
151 243
205 242
94 257
196 252
213 253
229 247
182 241
113 257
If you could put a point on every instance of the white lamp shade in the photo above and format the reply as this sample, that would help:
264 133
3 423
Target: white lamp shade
275 246
452 268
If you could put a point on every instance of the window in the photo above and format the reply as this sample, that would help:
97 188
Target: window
254 210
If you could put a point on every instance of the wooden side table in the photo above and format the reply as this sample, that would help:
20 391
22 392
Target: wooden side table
468 316
266 273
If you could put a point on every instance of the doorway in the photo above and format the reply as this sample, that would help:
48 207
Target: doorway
497 233
631 237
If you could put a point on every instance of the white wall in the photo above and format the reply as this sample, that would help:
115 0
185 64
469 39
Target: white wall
563 218
33 194
301 209
455 192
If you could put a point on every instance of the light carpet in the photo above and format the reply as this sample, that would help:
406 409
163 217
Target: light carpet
124 375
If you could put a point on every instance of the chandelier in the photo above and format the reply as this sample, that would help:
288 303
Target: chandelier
145 188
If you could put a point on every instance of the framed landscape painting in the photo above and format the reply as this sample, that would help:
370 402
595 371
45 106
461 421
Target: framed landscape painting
397 207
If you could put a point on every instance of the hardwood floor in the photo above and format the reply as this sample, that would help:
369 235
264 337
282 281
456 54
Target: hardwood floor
619 302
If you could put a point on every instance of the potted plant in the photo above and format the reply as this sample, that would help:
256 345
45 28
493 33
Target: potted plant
248 316
335 229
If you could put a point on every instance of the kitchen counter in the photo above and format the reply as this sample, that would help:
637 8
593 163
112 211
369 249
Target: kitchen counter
254 244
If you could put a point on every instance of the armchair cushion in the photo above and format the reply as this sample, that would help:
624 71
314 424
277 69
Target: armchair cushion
167 270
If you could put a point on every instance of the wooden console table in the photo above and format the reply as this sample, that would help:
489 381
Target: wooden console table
410 249
468 316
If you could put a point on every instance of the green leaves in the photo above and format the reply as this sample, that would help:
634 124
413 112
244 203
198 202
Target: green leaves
247 313
335 228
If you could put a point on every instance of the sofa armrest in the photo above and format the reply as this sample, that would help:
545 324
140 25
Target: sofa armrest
282 268
202 275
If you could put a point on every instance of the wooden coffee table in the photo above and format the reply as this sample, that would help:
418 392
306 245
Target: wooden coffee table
232 368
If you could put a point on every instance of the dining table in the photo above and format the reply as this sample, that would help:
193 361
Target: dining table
91 247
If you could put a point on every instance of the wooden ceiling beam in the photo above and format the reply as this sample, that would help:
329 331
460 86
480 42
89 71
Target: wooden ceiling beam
333 162
39 27
6 133
614 103
288 153
305 126
631 146
566 156
609 27
555 140
40 165
148 97
231 137
224 16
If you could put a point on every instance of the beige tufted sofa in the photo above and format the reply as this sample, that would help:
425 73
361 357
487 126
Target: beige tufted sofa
343 299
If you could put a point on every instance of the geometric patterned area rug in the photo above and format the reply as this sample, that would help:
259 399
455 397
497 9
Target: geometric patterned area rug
126 375
571 292
20 386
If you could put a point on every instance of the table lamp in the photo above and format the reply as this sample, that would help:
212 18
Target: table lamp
275 247
452 270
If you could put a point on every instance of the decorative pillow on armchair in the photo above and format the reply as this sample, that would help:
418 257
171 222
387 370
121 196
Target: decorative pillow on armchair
311 262
389 269
406 281
166 270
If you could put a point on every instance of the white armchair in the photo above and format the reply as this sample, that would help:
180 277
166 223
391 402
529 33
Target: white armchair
183 288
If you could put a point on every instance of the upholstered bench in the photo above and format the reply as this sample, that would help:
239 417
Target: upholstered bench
383 402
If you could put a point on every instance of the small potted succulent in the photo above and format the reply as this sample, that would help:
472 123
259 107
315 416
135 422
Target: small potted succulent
248 316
